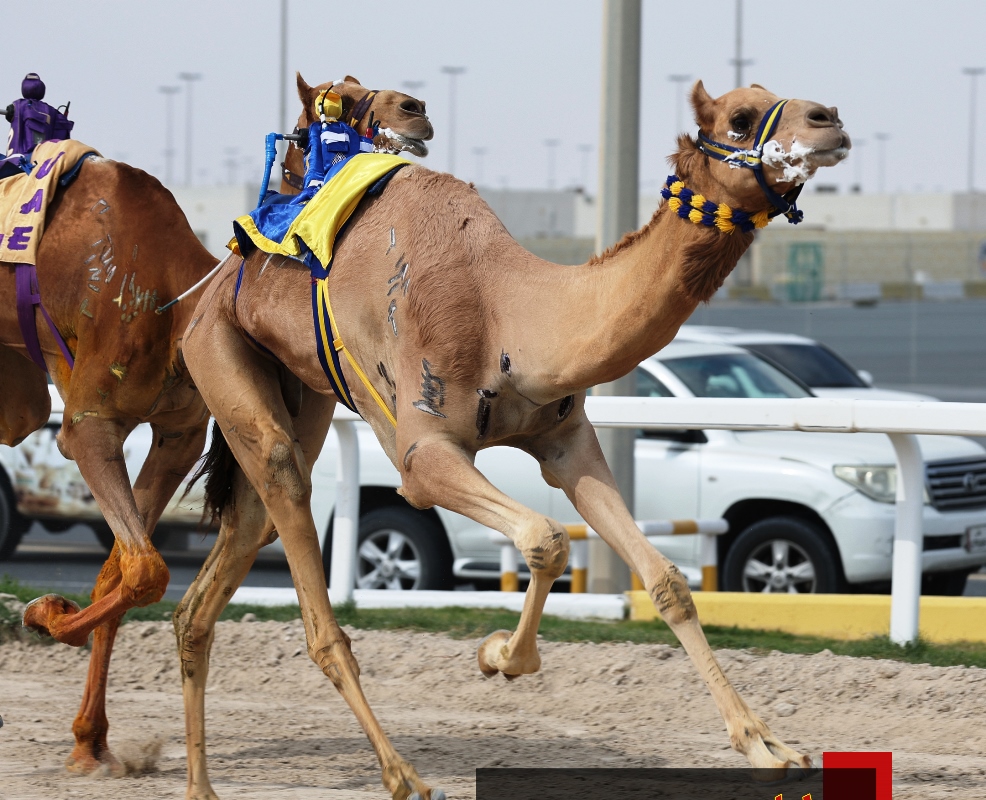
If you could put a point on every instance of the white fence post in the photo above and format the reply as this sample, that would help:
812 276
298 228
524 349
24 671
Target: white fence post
345 524
905 593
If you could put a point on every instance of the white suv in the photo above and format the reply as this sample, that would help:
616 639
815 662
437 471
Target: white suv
808 512
820 368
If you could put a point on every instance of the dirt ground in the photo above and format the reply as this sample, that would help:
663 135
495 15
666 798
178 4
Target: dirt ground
278 730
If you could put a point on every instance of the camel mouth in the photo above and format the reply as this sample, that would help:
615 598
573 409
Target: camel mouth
829 158
389 141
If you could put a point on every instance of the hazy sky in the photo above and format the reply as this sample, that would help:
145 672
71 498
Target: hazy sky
532 73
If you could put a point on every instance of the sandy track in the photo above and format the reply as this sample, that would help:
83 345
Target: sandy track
278 730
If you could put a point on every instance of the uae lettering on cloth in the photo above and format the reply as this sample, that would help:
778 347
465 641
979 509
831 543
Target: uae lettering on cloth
24 198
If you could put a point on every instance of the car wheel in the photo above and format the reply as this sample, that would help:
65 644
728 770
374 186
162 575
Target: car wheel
945 584
11 526
402 549
781 554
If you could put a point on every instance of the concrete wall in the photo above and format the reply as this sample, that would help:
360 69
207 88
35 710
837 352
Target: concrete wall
211 210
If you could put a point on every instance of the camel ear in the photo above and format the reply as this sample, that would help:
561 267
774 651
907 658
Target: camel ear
304 90
757 86
702 102
351 79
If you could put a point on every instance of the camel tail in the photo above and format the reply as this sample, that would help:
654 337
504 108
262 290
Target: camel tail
217 467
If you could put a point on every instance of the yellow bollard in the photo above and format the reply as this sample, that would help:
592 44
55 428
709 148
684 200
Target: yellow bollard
509 582
710 578
635 583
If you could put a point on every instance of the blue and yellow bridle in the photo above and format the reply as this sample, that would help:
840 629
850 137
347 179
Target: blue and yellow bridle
753 159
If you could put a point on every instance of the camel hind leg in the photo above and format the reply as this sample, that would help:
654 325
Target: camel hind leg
245 528
243 391
582 472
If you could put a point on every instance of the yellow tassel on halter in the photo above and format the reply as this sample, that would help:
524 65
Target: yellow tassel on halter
695 216
676 187
674 204
760 219
698 201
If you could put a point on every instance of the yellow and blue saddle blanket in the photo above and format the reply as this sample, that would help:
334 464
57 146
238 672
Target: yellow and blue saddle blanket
305 227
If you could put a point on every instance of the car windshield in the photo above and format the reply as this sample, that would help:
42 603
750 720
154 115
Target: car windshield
813 364
733 375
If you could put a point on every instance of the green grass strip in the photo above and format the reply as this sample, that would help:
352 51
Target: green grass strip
471 623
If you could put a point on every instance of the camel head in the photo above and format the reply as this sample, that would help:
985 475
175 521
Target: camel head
749 162
403 124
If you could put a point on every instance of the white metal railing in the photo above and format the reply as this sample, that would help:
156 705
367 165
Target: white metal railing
900 420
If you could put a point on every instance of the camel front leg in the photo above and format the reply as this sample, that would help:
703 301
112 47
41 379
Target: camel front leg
581 470
439 473
173 452
96 444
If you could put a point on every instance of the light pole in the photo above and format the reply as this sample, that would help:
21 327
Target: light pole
973 73
479 152
679 82
189 78
282 119
739 62
453 73
169 132
552 145
585 150
882 138
858 145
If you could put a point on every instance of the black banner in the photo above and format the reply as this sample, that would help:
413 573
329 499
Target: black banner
672 784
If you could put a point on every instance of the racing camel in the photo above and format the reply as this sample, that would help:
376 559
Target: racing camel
467 341
128 370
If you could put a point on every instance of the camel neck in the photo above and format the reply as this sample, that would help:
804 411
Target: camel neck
627 304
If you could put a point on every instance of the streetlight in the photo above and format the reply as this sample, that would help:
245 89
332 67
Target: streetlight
189 77
857 145
585 149
882 138
552 145
479 152
679 81
739 62
973 73
453 73
169 139
282 119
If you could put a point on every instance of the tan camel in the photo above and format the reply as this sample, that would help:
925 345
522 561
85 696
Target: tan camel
127 371
470 342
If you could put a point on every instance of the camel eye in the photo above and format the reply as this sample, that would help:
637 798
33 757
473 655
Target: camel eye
740 124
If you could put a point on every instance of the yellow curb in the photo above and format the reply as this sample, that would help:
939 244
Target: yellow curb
835 616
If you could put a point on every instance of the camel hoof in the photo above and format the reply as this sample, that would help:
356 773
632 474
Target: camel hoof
490 650
40 613
87 764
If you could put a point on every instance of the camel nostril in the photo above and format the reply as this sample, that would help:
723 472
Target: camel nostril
821 117
412 106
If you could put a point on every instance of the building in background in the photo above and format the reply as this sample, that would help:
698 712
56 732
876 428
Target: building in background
857 247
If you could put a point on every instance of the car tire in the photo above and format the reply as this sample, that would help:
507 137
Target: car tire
782 554
945 584
399 548
12 526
